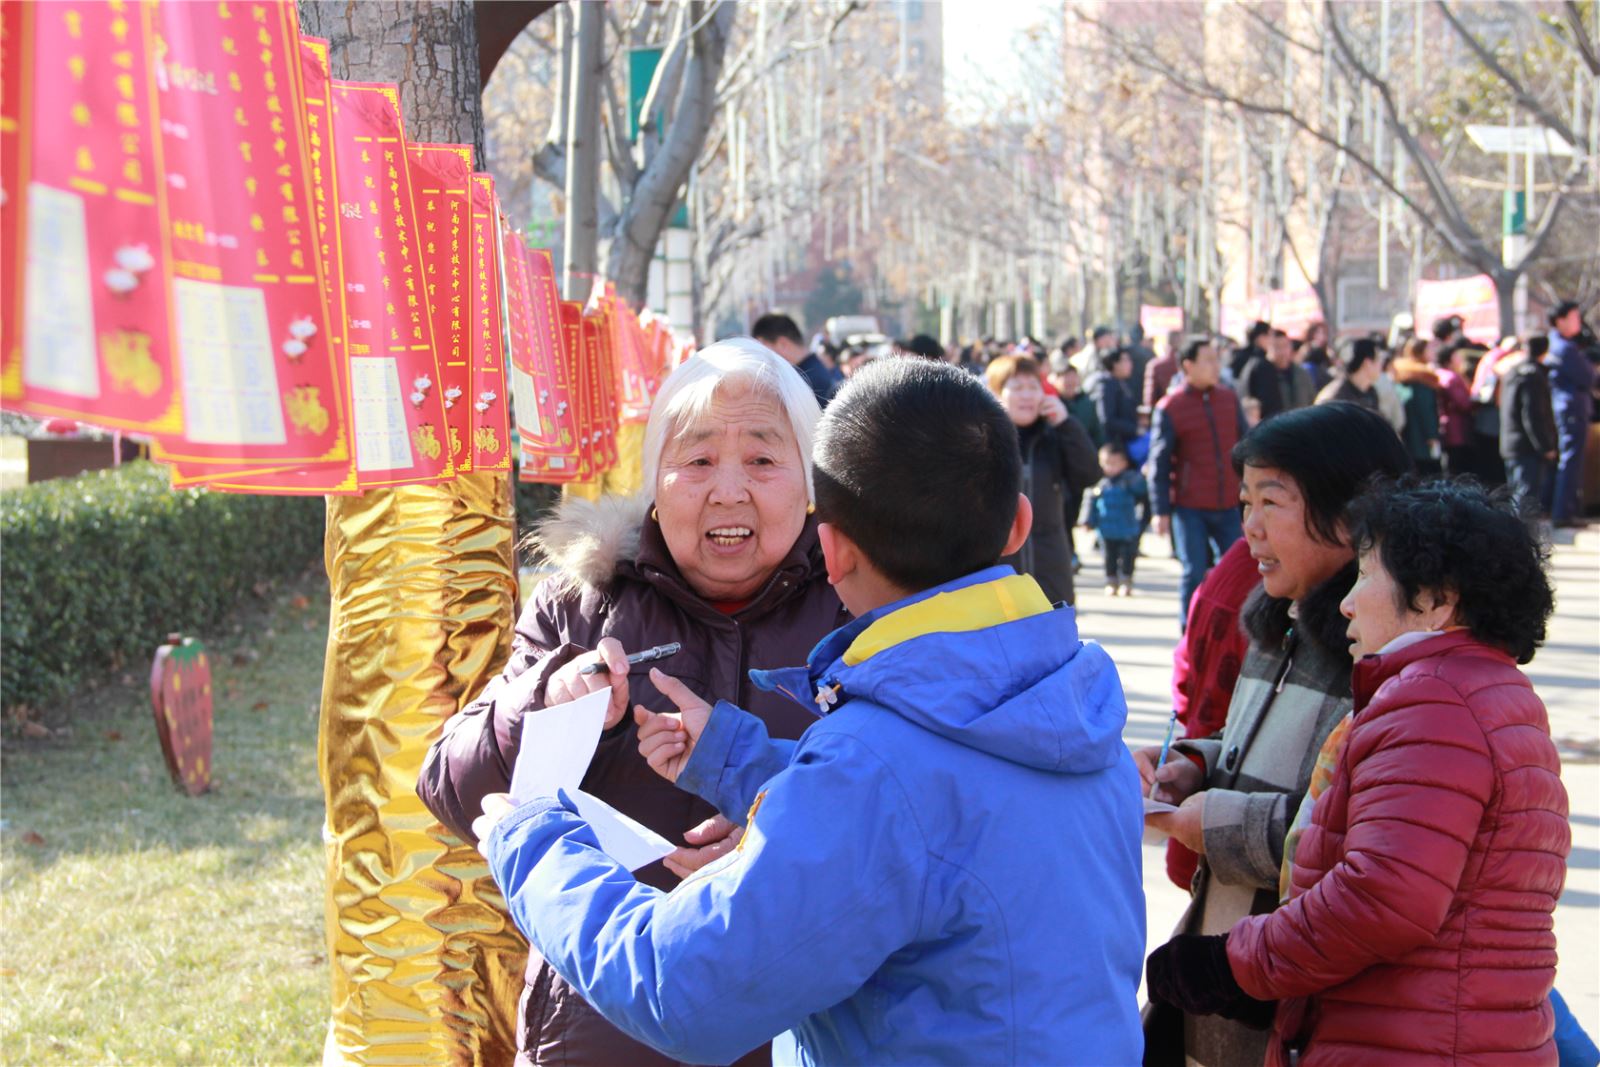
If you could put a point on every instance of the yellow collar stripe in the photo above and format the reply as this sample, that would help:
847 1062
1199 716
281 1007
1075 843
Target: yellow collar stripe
977 607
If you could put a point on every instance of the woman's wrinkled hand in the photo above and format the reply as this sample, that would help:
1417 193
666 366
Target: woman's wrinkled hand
568 684
1185 826
1174 781
666 740
711 840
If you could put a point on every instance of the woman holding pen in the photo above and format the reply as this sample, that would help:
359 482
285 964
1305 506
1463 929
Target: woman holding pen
1237 792
1433 839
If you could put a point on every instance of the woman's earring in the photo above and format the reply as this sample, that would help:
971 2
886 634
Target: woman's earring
653 516
811 509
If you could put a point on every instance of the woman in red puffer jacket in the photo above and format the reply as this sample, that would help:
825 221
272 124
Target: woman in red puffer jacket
1434 840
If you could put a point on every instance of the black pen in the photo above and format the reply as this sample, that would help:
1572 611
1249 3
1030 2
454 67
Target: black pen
649 655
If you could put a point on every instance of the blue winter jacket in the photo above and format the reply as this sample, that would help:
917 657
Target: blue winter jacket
945 868
1117 506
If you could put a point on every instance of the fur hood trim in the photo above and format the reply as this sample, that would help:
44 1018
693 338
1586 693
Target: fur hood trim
1267 621
1415 372
586 540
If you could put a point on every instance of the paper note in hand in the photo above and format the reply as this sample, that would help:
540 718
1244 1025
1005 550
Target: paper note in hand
557 744
1157 807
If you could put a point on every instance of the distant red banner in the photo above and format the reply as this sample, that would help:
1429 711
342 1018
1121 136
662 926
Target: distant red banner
491 425
249 321
1472 298
441 186
85 301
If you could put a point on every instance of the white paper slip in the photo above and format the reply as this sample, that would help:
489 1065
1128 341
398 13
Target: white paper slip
558 743
1157 807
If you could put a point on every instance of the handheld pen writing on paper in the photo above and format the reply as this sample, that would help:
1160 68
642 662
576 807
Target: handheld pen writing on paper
649 655
1166 744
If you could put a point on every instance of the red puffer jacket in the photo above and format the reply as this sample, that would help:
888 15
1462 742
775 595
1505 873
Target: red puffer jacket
1419 928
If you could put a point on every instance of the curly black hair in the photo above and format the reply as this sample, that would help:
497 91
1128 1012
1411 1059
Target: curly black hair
1436 535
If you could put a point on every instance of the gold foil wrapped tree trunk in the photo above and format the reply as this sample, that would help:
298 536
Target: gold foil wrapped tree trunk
426 965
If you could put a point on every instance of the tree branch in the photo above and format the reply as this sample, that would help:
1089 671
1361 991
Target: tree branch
1529 102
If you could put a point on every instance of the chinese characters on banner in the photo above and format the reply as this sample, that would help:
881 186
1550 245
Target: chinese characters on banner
441 186
205 239
337 477
249 323
550 446
491 427
401 435
90 297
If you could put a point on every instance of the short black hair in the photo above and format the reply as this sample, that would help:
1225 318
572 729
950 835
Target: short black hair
1356 351
1562 310
1438 535
924 346
1446 327
1103 331
1538 346
918 464
1111 357
1330 450
1191 351
1256 330
774 326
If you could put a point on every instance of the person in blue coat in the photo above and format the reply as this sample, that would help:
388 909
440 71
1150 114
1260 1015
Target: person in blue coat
1572 376
945 867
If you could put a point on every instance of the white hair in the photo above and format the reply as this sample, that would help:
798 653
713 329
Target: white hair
689 391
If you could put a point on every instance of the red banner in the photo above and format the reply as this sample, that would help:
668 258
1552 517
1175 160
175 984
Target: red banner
549 431
441 185
491 425
1472 298
581 375
11 262
597 335
258 374
401 434
339 477
88 305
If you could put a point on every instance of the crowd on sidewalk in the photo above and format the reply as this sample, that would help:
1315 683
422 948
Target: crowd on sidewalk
911 828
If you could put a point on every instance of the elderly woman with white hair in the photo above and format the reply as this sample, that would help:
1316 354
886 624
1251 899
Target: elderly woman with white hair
720 554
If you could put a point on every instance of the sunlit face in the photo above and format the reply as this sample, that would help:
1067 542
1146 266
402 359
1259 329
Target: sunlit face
1066 383
1377 610
731 494
1021 397
1292 561
1204 370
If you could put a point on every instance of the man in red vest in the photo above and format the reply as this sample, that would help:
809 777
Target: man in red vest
1194 491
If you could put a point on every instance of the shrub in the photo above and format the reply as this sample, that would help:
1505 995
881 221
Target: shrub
98 569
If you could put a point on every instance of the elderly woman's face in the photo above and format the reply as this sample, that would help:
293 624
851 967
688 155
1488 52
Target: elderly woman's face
1292 561
1377 610
1021 396
731 494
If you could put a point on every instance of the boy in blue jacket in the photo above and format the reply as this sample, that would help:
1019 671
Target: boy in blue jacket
945 868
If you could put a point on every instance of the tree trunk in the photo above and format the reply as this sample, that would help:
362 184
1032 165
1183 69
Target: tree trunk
580 244
426 965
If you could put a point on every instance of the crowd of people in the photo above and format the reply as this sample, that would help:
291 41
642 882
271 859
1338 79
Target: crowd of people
911 827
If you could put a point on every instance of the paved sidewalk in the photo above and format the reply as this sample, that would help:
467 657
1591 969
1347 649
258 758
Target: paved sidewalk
1140 632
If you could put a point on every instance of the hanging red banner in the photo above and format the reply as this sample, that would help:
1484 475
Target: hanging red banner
550 435
491 425
441 186
336 478
11 262
401 434
597 347
249 323
579 373
85 296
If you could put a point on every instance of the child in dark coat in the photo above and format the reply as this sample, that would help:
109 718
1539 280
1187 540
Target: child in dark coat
1119 507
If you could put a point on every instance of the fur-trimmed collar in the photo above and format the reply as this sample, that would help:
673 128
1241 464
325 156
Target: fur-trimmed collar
585 540
1317 620
1415 372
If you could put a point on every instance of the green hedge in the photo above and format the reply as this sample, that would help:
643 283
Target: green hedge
99 568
